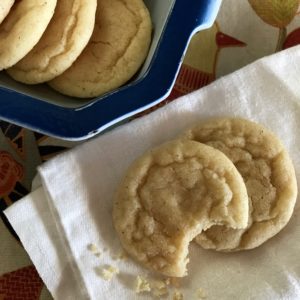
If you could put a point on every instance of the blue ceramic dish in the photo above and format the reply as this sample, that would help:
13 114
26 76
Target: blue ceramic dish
42 110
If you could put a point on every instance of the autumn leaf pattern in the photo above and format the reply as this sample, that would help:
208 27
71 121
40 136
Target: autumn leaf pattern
277 13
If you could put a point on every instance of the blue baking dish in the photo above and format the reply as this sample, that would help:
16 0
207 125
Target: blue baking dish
45 111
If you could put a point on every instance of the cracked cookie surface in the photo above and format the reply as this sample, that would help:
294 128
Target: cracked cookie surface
64 39
22 29
169 196
268 174
117 49
5 6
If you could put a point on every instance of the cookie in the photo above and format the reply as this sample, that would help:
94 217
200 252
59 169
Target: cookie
22 29
169 196
117 49
5 6
65 38
269 176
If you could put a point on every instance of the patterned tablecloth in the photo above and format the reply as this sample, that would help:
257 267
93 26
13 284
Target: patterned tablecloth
245 30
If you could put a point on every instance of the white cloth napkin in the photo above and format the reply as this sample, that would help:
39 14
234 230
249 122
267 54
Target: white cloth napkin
72 208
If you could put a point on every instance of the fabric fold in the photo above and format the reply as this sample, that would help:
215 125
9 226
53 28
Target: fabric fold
72 210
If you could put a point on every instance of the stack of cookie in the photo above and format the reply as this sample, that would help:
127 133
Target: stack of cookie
81 48
228 184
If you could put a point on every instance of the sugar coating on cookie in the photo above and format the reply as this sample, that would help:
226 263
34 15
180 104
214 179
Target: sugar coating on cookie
5 6
169 196
269 176
117 49
64 39
22 29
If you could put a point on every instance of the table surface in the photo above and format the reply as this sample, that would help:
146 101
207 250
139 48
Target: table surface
245 31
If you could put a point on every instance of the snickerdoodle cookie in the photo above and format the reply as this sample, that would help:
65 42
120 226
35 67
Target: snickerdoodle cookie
5 6
65 38
170 195
268 174
22 29
115 52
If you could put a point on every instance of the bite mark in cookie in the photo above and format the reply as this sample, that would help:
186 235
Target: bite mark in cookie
268 173
169 196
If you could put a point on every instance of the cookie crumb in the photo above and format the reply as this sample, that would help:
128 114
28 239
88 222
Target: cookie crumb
122 255
109 273
177 295
142 285
200 293
93 248
159 288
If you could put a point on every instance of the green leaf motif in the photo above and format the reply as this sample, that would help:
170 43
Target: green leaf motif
277 13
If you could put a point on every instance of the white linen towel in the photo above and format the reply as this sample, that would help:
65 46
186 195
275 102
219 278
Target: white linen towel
72 208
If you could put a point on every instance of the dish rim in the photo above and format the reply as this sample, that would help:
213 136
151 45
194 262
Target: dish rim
84 122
